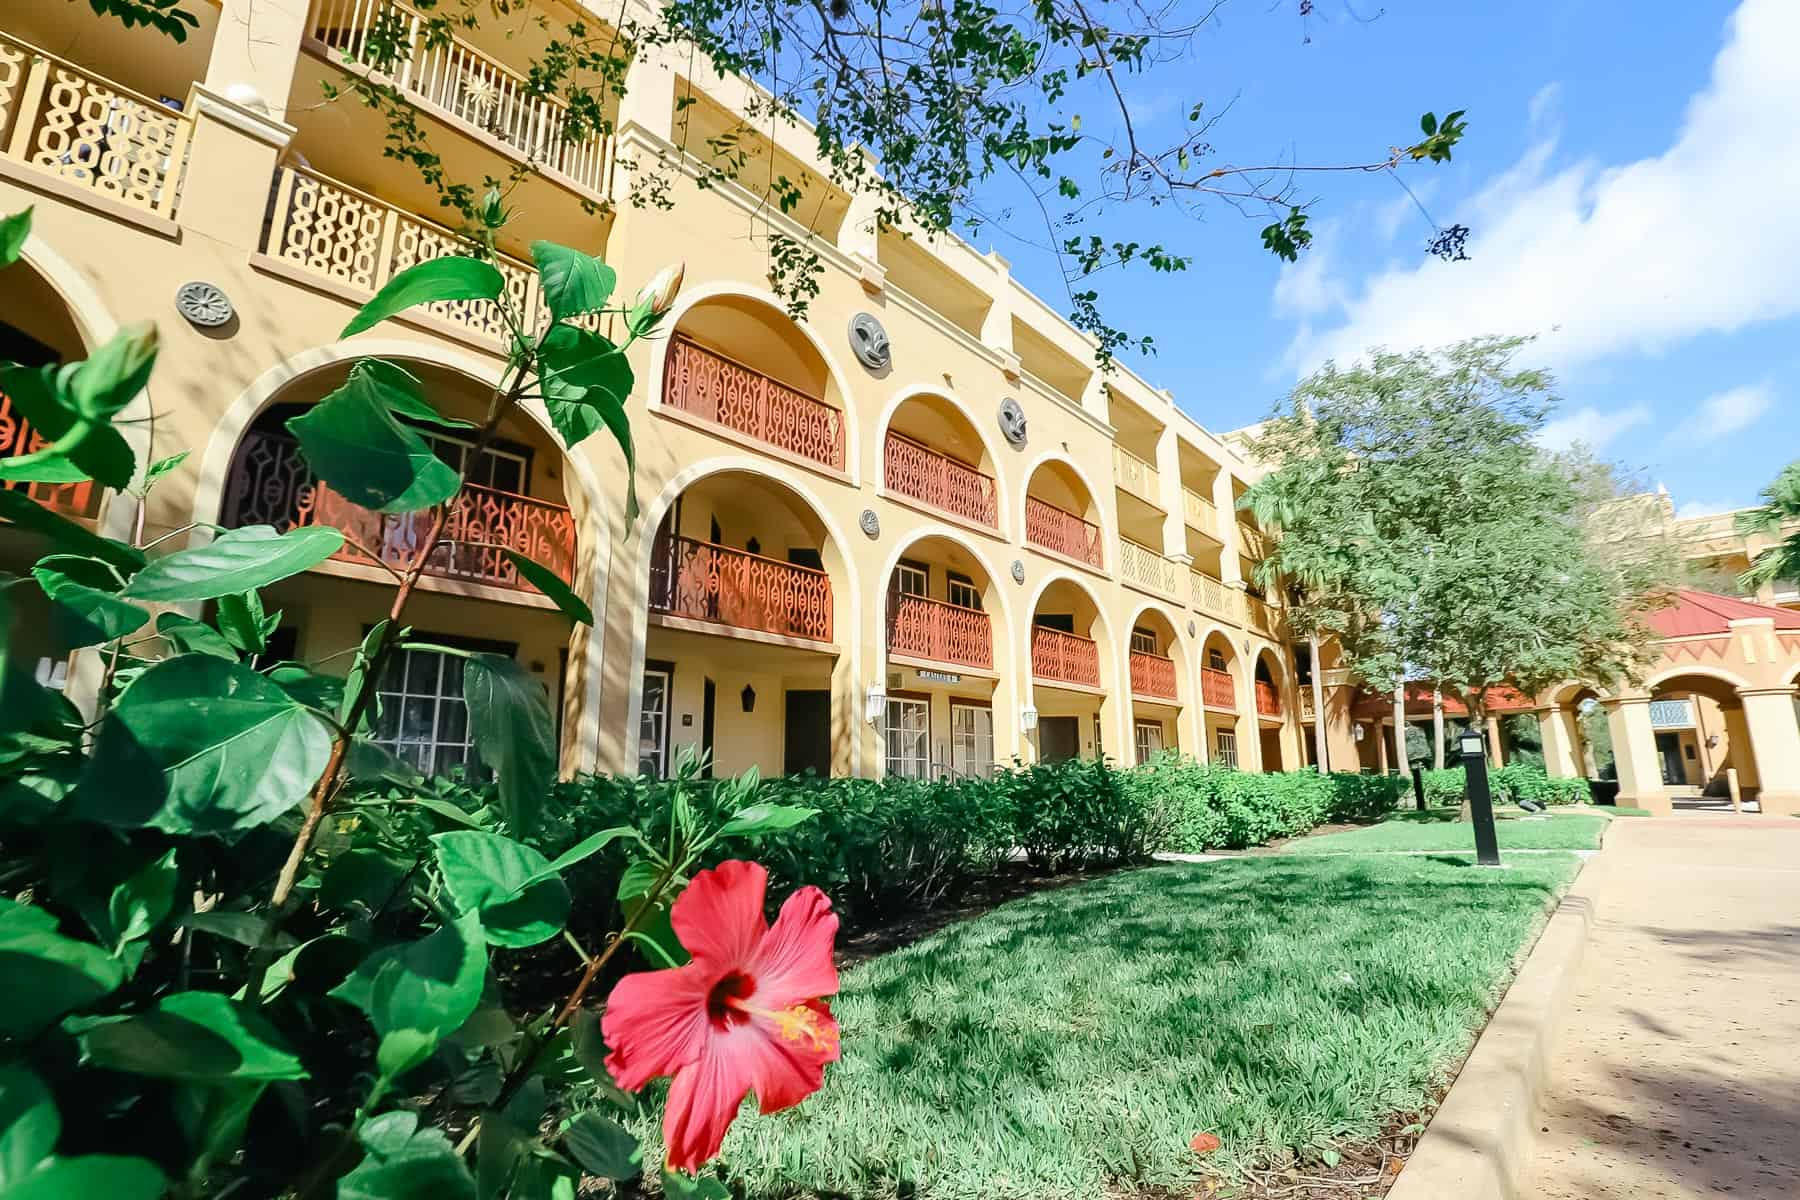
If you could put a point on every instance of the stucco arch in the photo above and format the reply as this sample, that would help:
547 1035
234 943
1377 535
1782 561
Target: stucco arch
1008 668
1569 693
1082 585
950 397
593 535
1694 670
727 288
1108 537
1264 653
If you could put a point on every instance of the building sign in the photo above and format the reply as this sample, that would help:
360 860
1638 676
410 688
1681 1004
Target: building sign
1671 714
940 677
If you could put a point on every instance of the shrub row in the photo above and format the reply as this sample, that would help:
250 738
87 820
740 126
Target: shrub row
1509 785
1196 807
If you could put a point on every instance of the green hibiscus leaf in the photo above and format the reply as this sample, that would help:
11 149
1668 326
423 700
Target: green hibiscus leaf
352 440
199 1037
235 561
29 1124
765 818
574 283
452 277
91 1177
18 509
509 712
506 883
603 1147
403 1162
14 229
46 973
432 985
83 589
551 584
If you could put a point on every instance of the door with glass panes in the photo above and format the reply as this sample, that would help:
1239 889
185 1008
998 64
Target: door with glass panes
908 733
422 716
971 739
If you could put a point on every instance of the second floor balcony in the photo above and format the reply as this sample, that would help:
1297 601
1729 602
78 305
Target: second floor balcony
1211 596
915 470
1052 528
1218 690
703 581
706 384
1064 657
1260 615
1153 676
937 631
1268 699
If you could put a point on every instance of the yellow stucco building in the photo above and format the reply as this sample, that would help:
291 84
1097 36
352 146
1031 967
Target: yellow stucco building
917 532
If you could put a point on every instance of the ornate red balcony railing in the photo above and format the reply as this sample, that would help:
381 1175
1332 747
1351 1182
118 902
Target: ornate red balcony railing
1152 675
270 485
914 469
932 629
1067 657
1268 700
17 437
706 582
1056 529
1217 690
710 386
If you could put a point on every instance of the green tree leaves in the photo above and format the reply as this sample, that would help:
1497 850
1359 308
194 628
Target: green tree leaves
14 230
509 713
355 443
46 973
551 584
574 283
238 560
452 277
520 900
421 992
403 1162
199 1037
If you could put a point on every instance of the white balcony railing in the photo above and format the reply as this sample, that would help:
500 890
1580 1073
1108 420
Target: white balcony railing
1212 597
1136 476
1148 569
1199 512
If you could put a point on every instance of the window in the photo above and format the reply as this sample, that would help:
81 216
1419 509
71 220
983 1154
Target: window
1303 664
1226 749
503 466
1215 659
653 724
908 737
911 579
1061 622
1099 742
424 719
971 739
1143 641
1147 739
963 592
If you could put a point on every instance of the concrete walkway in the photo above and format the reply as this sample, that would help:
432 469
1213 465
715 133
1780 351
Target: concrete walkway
1677 1070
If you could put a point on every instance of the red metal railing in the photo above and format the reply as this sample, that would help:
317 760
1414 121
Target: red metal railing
1067 657
270 485
1217 690
1152 675
707 582
1057 529
914 469
710 386
17 438
1268 700
923 628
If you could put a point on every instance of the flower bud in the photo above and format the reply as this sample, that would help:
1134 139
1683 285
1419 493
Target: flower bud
656 297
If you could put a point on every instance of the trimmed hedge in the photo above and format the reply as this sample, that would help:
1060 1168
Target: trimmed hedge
1200 807
1509 785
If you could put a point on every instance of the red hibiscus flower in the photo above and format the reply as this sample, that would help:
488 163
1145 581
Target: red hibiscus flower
745 1015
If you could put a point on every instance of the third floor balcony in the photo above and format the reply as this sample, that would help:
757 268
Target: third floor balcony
1060 657
913 469
721 585
1137 477
705 383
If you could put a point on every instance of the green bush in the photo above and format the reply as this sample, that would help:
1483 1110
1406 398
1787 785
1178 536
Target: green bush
1508 785
1198 807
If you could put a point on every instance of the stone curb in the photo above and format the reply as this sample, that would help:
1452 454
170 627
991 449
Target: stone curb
1479 1144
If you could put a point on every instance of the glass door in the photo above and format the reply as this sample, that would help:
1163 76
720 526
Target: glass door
971 739
909 737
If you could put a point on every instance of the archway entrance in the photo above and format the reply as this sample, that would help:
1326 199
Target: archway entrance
1070 676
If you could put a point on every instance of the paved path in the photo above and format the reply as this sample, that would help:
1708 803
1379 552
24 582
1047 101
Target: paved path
1678 1068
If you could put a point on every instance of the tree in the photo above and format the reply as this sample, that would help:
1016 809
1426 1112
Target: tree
1422 527
1778 516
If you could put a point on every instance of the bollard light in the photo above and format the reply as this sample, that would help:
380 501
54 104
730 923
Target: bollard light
1481 801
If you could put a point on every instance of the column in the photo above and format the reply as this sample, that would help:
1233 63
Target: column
1400 759
1168 470
1320 740
859 237
1496 744
1774 735
1381 743
1230 572
1437 728
997 330
254 56
1634 750
1559 749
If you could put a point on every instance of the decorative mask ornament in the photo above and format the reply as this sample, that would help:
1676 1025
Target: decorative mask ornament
1018 570
869 342
870 522
203 304
1012 421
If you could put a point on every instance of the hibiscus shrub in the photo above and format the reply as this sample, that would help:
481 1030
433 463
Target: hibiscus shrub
1205 807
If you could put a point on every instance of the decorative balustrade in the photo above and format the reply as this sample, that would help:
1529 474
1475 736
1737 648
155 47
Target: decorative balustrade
1308 710
1065 657
1137 476
1152 675
1148 569
1053 528
932 629
1259 614
464 83
914 469
1199 512
1217 690
706 582
1210 596
88 132
327 229
708 385
1268 700
1671 714
1254 542
17 437
270 485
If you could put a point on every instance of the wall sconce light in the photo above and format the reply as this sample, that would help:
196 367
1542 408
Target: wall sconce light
1028 718
1359 731
749 698
875 703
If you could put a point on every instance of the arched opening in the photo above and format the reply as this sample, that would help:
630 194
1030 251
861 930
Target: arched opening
1701 737
37 329
742 656
931 453
1069 653
1219 699
944 665
1268 688
1061 515
733 363
1159 685
470 597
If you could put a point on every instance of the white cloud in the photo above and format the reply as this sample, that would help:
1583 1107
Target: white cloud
1706 508
1725 413
1600 259
1308 287
1591 427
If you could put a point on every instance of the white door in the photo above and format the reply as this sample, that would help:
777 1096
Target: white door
971 739
908 737
1148 736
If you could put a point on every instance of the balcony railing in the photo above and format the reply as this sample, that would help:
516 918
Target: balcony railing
706 582
932 629
1152 675
1217 690
914 469
1137 476
1065 657
17 437
331 231
97 137
270 485
1148 569
463 83
1255 542
1199 512
1308 710
1210 596
1268 700
714 388
1053 528
1260 615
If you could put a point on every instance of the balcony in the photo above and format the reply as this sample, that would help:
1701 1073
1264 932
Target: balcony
1051 528
271 485
1217 690
1152 675
325 232
1137 477
1260 615
1253 541
1064 657
90 140
705 384
937 631
1200 513
701 581
460 84
1268 700
1145 568
1210 596
914 469
17 437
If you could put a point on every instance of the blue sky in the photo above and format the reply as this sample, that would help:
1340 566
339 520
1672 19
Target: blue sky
1629 176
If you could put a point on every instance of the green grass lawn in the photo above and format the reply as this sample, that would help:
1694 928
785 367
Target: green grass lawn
1071 1044
1438 829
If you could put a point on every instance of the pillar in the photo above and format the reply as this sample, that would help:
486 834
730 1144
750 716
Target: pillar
1437 728
649 100
1496 744
1400 759
1381 744
254 55
1231 573
1740 751
1775 737
1559 748
1634 750
1320 741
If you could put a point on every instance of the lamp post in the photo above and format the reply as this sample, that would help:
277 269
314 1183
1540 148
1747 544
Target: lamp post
1481 802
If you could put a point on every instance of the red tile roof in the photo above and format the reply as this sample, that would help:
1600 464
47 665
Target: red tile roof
1697 614
1378 706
